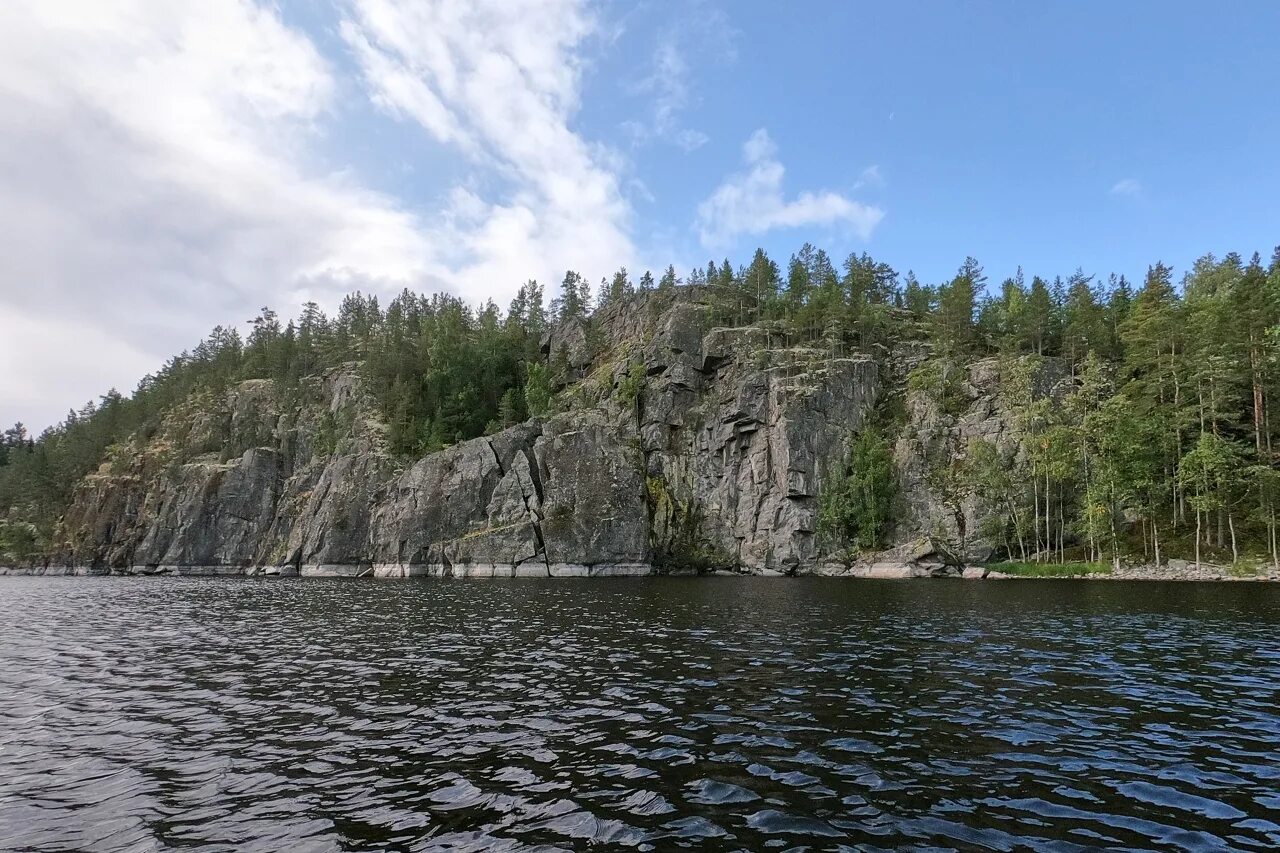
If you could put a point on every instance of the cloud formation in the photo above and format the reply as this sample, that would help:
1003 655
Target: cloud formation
162 167
752 202
501 81
169 165
870 178
667 87
156 170
1128 186
693 34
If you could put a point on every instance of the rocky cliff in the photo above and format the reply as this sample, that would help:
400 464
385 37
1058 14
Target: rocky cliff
677 447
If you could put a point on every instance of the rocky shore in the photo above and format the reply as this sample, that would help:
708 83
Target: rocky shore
1174 570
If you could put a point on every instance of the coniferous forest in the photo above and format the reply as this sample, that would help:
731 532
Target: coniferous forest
1162 439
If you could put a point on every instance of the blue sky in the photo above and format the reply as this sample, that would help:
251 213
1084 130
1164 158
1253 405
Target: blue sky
168 165
1051 135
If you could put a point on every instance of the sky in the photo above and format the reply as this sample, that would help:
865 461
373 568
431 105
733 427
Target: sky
170 165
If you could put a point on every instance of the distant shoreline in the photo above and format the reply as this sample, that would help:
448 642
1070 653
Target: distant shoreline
1178 572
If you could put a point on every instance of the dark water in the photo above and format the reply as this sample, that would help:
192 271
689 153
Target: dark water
271 715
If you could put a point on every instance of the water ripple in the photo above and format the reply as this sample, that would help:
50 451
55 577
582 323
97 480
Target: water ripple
264 715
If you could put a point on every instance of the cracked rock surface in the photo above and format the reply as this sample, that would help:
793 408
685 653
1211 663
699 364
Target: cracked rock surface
716 462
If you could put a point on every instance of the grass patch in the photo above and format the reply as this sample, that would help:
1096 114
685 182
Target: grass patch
1050 570
1250 568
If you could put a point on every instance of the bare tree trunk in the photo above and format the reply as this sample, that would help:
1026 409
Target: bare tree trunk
1115 538
1035 512
1275 555
1155 540
1200 405
1266 424
1048 522
1179 502
1062 523
1257 393
1235 552
1093 546
1017 526
1197 540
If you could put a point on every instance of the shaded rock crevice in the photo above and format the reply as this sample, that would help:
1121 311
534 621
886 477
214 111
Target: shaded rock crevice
526 453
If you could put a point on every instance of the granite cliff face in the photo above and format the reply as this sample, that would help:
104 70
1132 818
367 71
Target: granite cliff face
236 484
681 447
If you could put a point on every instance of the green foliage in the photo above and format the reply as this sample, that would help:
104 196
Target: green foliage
537 389
674 530
942 381
510 410
575 298
20 541
858 494
1049 570
917 298
953 326
631 384
326 437
668 281
994 477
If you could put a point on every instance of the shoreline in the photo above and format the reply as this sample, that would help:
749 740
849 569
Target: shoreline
1180 571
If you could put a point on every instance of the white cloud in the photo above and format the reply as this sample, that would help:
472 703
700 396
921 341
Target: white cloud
161 170
61 347
156 170
667 82
759 147
691 140
751 202
695 33
501 81
870 177
1128 186
667 87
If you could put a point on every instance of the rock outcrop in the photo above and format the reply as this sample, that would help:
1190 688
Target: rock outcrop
554 498
262 494
680 447
737 435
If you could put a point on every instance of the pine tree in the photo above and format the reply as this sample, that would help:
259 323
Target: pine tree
537 389
575 297
1153 362
858 494
1085 327
953 321
1119 305
918 298
620 287
761 279
509 413
668 281
1039 326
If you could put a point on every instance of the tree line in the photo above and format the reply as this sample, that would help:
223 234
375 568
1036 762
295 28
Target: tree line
1166 417
1147 415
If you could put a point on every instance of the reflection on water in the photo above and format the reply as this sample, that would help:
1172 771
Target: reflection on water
654 714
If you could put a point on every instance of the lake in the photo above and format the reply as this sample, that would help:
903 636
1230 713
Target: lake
649 714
